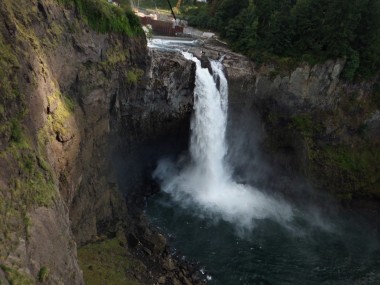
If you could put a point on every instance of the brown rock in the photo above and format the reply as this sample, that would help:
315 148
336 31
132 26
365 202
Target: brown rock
169 264
162 280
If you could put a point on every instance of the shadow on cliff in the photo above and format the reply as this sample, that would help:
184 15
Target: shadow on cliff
135 162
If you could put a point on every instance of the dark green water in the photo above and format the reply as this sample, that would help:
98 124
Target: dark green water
334 250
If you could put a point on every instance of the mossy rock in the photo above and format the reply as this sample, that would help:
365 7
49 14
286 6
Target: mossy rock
108 262
348 172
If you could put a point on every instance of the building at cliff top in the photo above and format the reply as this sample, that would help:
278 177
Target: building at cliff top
161 25
164 25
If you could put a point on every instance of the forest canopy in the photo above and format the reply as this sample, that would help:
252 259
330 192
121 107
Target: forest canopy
311 30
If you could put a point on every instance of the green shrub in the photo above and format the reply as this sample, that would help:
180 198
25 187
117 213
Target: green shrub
134 75
16 277
16 131
104 17
358 167
43 274
2 111
352 65
304 124
108 262
11 105
69 102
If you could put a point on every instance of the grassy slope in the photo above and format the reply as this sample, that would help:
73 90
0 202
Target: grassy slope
108 262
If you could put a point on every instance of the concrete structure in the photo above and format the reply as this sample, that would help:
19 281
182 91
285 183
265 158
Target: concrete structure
160 27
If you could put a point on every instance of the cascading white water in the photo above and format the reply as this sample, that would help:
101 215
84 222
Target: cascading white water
208 147
206 183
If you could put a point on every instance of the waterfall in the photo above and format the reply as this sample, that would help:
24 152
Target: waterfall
205 183
208 127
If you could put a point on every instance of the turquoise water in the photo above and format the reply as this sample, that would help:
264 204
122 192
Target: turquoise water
334 250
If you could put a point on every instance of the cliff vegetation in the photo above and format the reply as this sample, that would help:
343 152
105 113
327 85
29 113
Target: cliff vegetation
104 17
302 30
40 126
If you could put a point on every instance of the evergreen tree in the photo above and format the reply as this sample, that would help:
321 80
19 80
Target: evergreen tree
367 42
320 29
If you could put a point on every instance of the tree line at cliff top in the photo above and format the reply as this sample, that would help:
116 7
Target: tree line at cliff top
310 30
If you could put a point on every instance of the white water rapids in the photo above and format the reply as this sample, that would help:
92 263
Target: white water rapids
205 184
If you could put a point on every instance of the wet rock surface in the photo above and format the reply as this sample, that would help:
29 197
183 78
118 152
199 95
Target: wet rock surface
154 249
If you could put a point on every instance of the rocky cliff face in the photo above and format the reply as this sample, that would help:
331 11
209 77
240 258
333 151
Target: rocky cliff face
315 123
326 123
71 98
